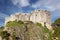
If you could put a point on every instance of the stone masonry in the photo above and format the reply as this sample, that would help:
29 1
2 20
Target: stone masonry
40 16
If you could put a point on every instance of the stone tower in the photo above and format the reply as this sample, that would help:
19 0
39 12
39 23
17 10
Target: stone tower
41 16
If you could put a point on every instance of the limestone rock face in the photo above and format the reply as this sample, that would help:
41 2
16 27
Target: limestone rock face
28 32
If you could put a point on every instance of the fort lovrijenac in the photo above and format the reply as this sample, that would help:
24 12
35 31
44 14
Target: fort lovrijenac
40 16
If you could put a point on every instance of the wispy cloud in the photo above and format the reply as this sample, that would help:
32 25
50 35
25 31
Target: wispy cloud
2 15
21 3
51 5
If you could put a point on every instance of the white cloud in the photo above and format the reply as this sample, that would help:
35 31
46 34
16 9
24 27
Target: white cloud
2 15
21 3
51 8
51 5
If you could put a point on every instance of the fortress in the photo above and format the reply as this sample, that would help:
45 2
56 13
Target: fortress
40 16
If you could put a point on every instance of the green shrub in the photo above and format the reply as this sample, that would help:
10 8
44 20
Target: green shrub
38 24
5 35
13 36
29 22
20 22
15 23
45 29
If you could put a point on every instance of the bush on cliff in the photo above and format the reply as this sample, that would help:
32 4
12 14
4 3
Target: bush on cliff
5 35
56 28
15 23
38 24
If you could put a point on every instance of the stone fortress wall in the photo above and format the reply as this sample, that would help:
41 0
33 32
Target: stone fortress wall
40 16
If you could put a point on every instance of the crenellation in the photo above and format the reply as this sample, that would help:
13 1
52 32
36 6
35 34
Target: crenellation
40 16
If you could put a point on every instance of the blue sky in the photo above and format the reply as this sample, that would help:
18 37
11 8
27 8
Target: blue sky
8 7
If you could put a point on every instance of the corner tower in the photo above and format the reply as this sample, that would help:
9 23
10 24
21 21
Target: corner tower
41 16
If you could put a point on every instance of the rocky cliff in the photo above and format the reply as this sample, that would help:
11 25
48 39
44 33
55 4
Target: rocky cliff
28 31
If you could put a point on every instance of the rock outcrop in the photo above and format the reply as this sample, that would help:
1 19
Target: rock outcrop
29 31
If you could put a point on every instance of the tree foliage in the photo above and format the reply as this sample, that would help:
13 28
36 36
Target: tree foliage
5 35
57 22
38 24
56 28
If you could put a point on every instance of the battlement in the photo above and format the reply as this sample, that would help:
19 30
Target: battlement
40 16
